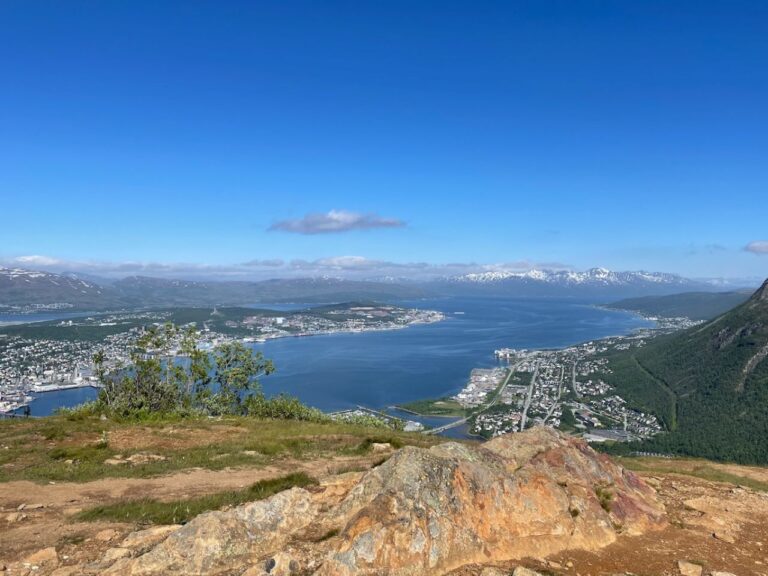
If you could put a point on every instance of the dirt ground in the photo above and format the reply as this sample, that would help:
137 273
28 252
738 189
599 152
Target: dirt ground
720 526
36 516
171 437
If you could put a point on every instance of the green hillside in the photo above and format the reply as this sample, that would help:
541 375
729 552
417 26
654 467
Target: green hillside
708 384
693 305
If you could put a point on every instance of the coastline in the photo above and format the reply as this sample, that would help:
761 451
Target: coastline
441 317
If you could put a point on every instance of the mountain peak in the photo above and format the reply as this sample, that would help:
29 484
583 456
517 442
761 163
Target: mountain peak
761 295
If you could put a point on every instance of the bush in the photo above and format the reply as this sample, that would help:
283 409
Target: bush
370 421
604 496
281 407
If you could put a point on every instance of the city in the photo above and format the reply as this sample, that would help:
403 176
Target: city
566 389
57 355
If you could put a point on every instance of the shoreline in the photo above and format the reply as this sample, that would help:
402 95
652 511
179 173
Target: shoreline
660 326
265 339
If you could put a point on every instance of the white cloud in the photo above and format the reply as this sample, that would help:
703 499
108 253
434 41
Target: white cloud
334 222
268 263
36 260
757 247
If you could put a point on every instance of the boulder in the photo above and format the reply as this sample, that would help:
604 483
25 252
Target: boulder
115 554
689 568
724 536
45 558
215 542
143 540
423 512
143 458
115 462
523 571
67 571
493 571
530 494
106 535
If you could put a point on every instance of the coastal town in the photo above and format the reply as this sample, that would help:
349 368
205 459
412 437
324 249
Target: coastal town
57 355
566 388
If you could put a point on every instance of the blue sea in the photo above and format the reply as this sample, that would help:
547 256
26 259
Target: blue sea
380 369
11 319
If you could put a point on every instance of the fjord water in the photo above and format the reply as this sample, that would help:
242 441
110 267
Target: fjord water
11 319
379 369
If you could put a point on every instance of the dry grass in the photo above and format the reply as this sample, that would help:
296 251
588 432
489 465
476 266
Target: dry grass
149 511
61 449
726 473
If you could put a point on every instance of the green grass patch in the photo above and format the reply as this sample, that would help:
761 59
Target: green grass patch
148 511
435 407
63 450
366 445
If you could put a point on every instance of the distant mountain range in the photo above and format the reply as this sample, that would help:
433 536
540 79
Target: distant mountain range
593 276
28 288
25 288
709 384
590 284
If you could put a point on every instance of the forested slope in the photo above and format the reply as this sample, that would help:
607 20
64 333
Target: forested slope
708 384
693 305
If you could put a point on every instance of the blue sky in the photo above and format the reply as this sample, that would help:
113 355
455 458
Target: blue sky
199 135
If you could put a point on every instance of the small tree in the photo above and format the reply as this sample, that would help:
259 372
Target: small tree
235 374
160 381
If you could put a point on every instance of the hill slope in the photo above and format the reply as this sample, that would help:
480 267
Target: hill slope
91 509
708 383
20 287
148 291
30 289
693 305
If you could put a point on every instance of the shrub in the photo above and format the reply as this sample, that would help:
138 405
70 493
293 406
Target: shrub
604 496
281 407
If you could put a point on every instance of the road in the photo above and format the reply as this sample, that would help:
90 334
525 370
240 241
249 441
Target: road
527 404
573 381
559 393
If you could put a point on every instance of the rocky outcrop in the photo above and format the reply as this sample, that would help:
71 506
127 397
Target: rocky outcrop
424 511
219 541
530 494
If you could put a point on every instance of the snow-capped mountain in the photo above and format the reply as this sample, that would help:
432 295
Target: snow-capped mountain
35 290
597 276
595 283
32 288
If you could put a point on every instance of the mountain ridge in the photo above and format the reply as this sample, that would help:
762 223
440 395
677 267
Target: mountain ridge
693 305
593 284
709 383
21 288
38 289
591 275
